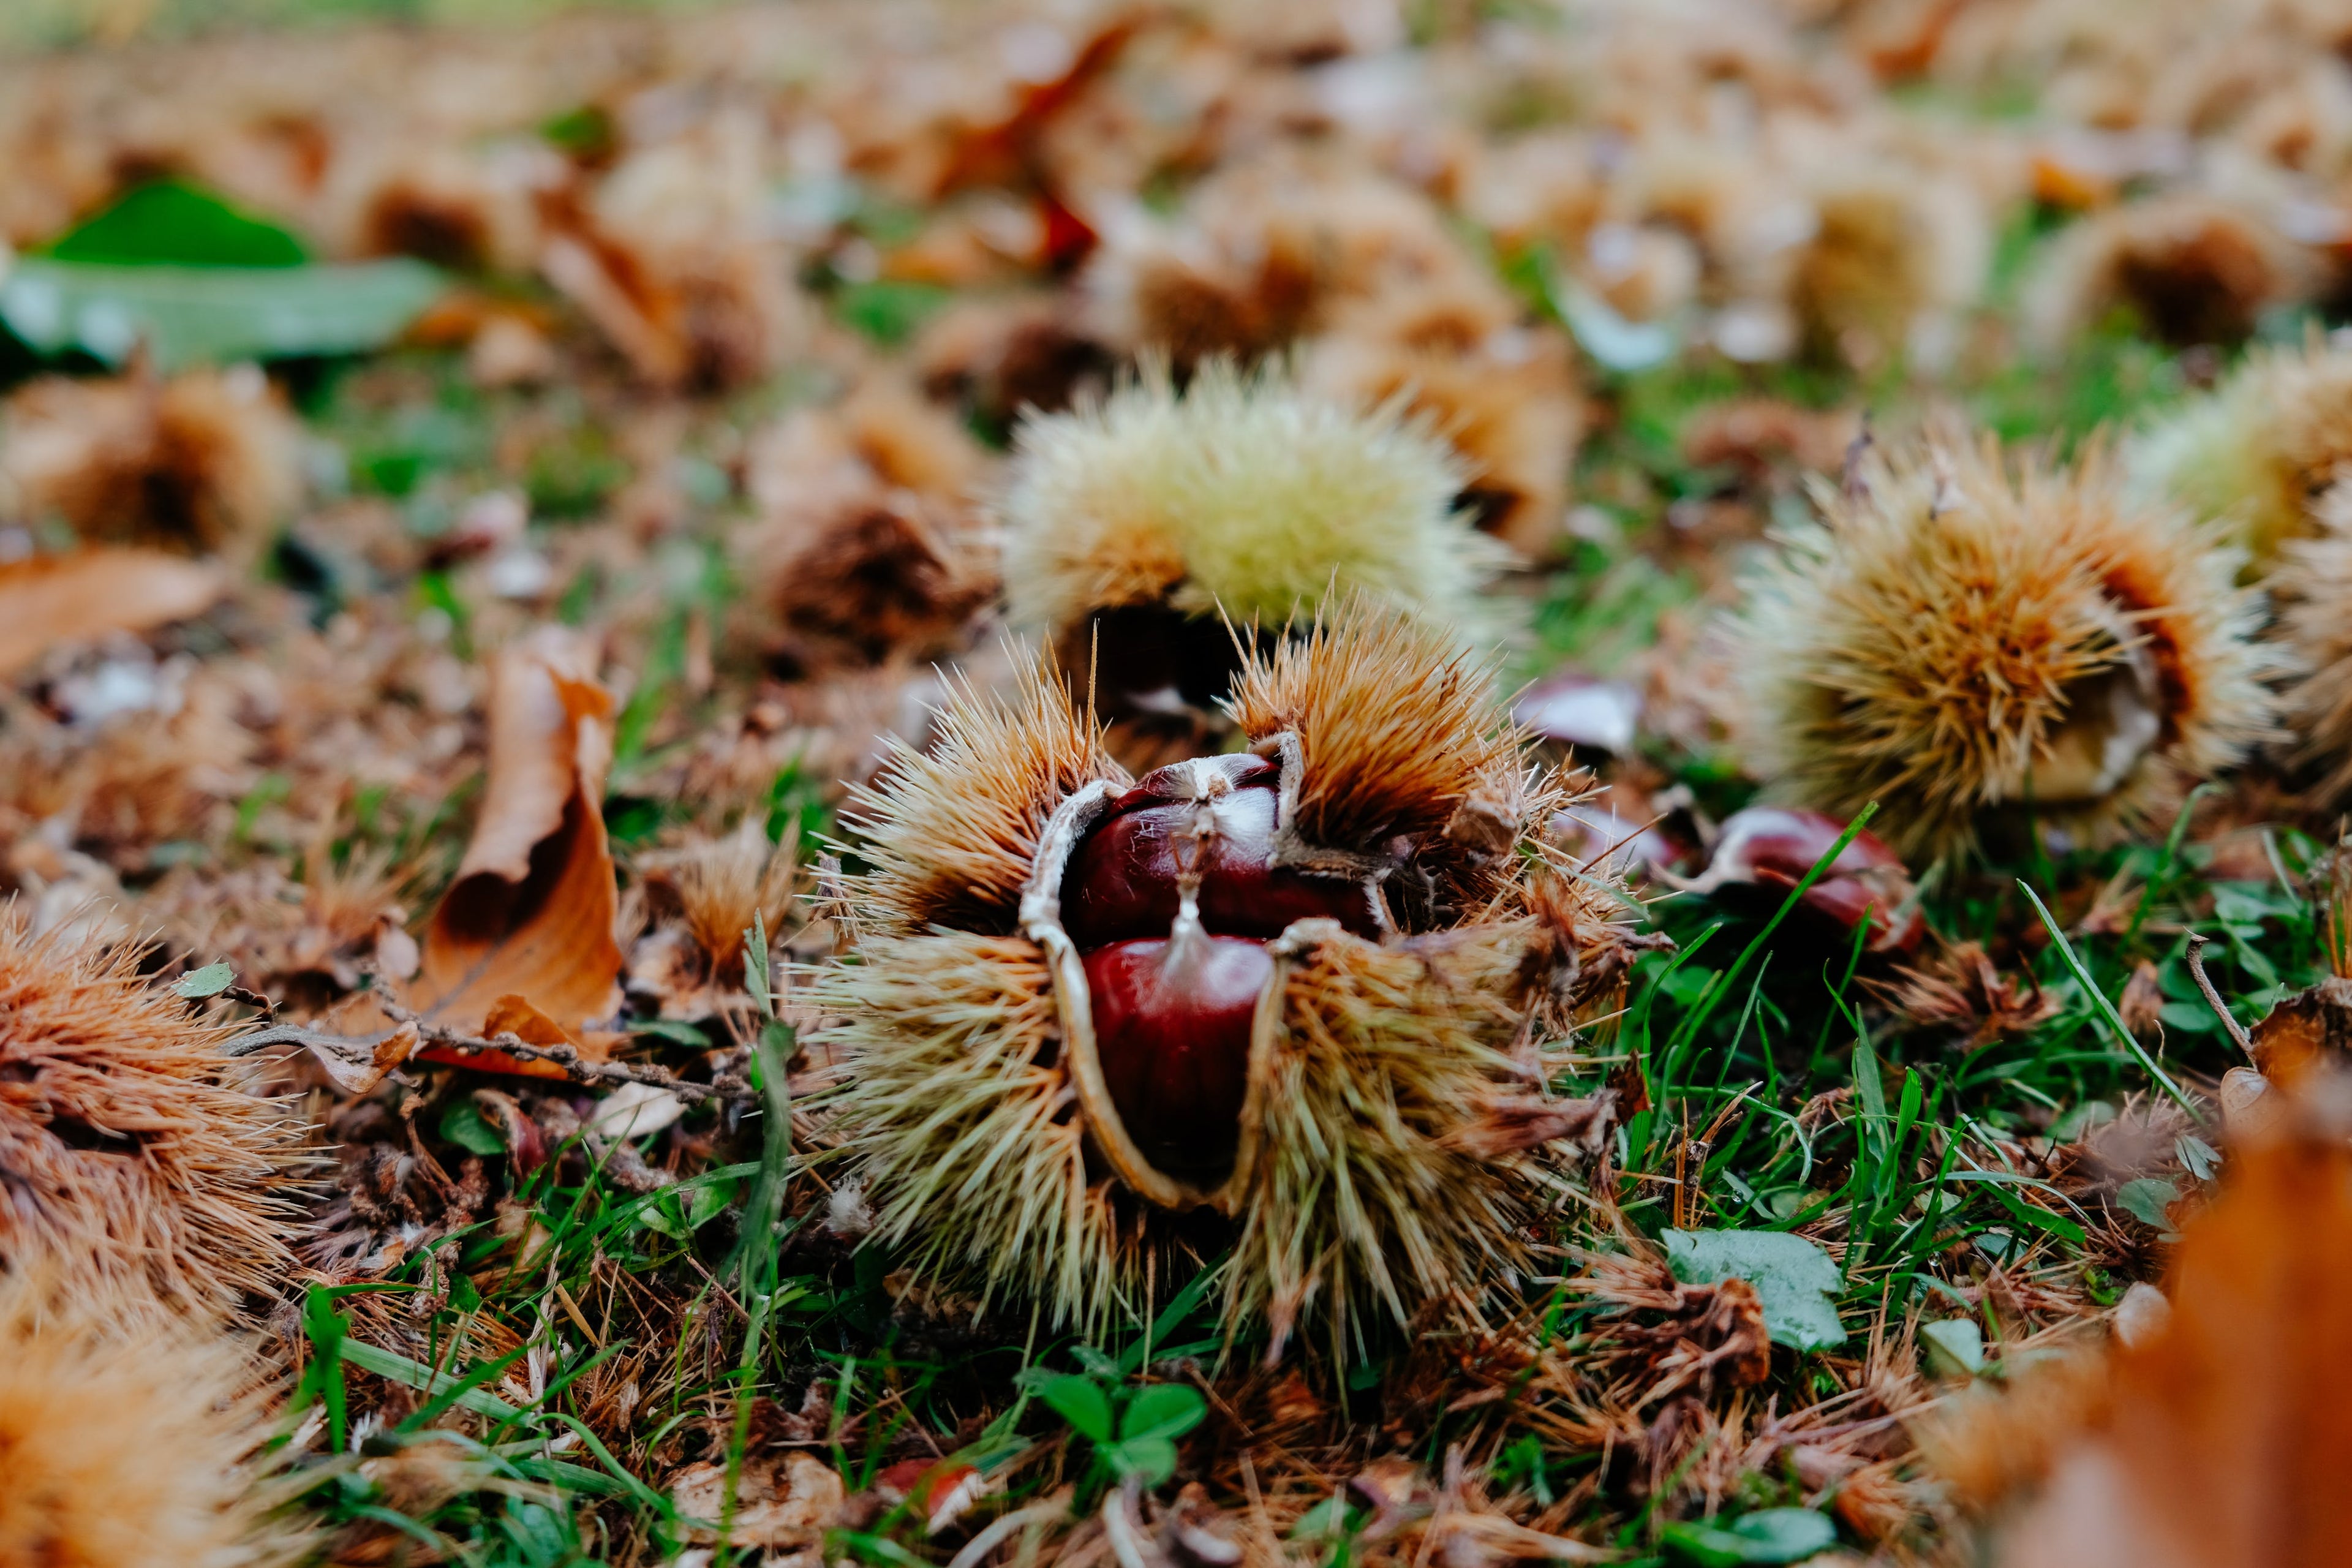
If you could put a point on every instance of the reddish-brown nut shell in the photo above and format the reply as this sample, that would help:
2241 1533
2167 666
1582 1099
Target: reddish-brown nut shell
1122 882
1772 847
1173 1035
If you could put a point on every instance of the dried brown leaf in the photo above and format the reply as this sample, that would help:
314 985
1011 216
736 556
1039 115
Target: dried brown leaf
531 914
51 599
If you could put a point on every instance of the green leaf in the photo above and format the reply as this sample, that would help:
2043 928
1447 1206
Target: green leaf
1795 1279
670 1029
189 315
1768 1535
889 309
169 223
2188 1017
2103 1008
1326 1520
1954 1347
210 981
2201 1158
1162 1410
2040 1219
1150 1459
2146 1199
679 1215
755 965
1685 985
1082 1402
585 132
463 1124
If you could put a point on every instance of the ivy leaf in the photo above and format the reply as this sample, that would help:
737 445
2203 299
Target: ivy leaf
679 1215
1794 1279
210 981
2201 1158
1149 1460
1954 1347
673 1031
171 222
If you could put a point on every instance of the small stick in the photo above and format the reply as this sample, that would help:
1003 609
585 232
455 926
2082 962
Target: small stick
2212 998
568 1057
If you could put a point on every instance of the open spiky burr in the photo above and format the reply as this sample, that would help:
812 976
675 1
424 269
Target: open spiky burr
1289 1002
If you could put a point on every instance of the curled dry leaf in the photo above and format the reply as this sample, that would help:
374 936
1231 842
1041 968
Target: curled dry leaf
2220 1434
523 939
2308 1031
356 1066
52 599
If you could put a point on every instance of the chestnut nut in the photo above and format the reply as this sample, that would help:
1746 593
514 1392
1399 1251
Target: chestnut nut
1169 900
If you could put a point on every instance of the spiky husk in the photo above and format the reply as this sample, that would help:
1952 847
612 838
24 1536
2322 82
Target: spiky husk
1243 496
2255 452
1263 255
1395 724
1924 649
950 831
203 461
1892 250
2193 267
123 1430
958 1108
126 1142
2313 582
959 1113
1357 1201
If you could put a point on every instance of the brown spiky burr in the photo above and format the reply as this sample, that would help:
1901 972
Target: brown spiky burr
1970 642
203 461
125 1430
1284 1001
128 1144
2312 581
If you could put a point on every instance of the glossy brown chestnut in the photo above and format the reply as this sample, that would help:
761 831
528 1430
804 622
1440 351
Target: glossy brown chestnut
1772 848
1122 883
1173 1035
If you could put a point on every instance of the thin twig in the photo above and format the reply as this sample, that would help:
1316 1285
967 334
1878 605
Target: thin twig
442 1038
2213 998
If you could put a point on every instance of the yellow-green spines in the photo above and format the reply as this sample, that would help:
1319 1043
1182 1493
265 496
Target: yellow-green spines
2256 452
1241 494
1963 635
